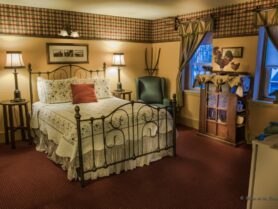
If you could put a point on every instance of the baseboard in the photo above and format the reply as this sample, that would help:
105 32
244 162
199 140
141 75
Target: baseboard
189 122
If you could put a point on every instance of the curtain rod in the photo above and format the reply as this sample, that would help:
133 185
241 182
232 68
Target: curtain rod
178 19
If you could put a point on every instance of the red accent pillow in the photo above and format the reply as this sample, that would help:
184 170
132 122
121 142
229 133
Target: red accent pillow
83 93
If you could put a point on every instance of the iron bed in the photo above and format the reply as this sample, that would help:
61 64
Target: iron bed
131 131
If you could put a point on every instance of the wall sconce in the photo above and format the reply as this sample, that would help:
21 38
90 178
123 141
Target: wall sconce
67 32
118 61
14 61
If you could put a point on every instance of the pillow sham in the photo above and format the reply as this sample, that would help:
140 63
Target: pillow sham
41 89
84 80
55 91
102 86
83 93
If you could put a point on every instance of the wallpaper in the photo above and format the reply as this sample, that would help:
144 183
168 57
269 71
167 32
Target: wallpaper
230 21
39 22
233 20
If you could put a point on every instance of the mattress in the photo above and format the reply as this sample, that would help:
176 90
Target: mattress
58 123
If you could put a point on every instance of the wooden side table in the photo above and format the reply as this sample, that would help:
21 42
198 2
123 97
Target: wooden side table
9 126
122 94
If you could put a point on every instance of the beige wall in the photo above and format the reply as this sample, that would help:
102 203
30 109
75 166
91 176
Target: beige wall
34 52
169 62
259 115
248 61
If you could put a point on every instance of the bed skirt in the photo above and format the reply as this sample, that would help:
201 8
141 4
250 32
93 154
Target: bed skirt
116 153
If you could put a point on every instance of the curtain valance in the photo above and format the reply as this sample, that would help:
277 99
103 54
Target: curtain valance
195 27
192 33
266 17
269 20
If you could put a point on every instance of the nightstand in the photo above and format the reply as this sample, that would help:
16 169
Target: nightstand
24 121
122 94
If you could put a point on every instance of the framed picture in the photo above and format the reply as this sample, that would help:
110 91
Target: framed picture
66 53
237 51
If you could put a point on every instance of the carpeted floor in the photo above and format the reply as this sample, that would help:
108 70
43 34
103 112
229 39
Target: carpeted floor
205 175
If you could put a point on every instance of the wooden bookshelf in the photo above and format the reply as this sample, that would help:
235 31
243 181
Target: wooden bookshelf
218 115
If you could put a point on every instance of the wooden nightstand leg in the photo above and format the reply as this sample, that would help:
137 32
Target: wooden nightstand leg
11 119
129 96
23 136
123 95
28 125
7 135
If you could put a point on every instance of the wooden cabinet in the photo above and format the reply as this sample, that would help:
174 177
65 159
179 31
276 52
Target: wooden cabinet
222 113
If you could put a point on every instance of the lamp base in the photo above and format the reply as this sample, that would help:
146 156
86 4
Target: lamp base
119 87
17 96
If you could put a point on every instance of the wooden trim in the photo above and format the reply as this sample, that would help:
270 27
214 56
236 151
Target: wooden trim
203 109
262 73
234 47
264 83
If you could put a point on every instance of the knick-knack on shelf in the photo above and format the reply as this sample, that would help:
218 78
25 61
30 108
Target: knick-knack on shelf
275 93
235 66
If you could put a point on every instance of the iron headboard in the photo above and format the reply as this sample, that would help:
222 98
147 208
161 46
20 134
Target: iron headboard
63 72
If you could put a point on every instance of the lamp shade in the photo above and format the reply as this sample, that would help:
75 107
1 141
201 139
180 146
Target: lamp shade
14 60
74 34
63 33
118 59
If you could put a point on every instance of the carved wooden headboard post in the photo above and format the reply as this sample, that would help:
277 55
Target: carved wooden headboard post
104 69
30 86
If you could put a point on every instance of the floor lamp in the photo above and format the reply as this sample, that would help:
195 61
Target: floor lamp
14 61
119 61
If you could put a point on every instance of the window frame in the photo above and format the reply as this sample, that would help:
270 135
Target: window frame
262 80
261 94
188 74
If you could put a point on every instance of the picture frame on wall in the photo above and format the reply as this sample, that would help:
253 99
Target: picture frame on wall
236 51
67 53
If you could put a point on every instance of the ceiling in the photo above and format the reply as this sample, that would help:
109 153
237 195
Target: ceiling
145 9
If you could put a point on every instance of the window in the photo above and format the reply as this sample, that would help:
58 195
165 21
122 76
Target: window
202 56
266 80
271 69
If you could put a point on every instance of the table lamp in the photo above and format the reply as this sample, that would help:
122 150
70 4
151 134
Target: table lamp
119 61
14 61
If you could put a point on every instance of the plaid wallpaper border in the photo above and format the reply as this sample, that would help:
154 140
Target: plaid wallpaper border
230 21
40 22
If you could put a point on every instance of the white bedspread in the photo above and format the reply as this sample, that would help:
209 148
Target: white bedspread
57 121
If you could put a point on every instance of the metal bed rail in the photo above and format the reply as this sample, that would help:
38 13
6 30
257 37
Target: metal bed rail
131 126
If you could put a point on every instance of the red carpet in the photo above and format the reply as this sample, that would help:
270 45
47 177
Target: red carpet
206 174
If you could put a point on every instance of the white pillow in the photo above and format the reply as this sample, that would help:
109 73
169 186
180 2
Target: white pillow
84 80
54 91
41 89
102 87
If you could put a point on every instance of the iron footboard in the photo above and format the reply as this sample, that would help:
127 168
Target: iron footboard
128 126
